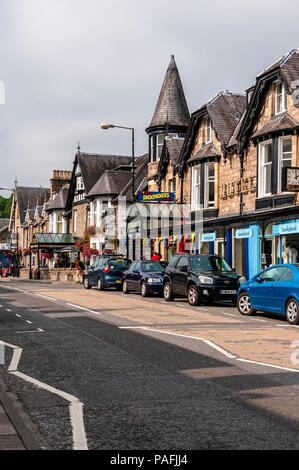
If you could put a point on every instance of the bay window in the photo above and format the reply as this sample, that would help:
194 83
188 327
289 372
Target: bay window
195 193
265 168
284 158
209 185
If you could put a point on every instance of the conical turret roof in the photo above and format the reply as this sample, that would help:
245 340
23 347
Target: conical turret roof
171 106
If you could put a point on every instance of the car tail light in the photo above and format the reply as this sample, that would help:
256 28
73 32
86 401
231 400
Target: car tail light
106 270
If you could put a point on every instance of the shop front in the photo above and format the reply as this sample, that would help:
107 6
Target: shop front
286 242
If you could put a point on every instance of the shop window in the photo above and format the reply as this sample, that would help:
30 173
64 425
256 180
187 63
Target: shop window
265 168
285 158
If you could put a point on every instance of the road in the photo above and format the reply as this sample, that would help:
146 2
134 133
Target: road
104 370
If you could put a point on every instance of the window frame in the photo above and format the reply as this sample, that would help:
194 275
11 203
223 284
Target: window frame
207 183
195 202
280 160
283 97
261 168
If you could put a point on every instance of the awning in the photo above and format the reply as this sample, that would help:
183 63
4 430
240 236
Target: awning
52 240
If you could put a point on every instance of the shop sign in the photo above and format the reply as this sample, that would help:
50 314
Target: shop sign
148 196
243 233
285 229
109 246
208 237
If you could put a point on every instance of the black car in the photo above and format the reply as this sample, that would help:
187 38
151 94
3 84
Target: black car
200 278
106 271
145 277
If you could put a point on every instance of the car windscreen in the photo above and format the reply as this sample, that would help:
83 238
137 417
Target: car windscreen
118 263
152 267
211 263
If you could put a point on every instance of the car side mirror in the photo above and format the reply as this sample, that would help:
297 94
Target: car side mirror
258 279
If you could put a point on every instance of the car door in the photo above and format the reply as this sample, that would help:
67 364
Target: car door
180 276
92 273
129 274
135 277
281 289
261 289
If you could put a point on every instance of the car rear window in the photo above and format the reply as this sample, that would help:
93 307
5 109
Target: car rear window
152 266
118 263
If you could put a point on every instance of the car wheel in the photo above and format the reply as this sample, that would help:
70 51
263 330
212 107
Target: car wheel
167 292
125 287
243 304
292 312
193 295
86 284
144 292
100 284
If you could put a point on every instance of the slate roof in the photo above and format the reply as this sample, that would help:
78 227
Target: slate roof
59 200
282 122
4 223
140 178
94 165
289 65
225 111
172 106
205 152
174 147
111 182
28 197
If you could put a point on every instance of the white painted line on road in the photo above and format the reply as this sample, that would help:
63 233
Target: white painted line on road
84 308
39 329
75 406
27 321
46 297
17 315
8 309
229 314
259 319
222 351
30 331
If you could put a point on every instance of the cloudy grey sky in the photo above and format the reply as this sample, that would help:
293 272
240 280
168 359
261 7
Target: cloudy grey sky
69 65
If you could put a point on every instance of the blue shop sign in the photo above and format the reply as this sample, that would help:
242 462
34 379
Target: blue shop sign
285 229
243 233
208 237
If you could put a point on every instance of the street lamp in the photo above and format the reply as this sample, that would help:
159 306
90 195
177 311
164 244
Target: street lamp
112 126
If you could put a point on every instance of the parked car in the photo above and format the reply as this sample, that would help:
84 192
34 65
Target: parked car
275 290
201 277
145 277
106 271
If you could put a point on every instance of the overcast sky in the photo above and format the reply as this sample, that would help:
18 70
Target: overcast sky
69 65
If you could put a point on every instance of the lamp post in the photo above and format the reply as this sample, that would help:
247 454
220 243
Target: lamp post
112 126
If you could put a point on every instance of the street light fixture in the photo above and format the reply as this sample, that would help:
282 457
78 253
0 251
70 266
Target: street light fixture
112 126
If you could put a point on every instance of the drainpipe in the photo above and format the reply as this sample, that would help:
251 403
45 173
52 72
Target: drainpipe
241 157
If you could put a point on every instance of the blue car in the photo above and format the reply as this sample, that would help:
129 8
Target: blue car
106 272
275 290
145 277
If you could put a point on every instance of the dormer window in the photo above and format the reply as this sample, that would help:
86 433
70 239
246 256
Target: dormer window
280 97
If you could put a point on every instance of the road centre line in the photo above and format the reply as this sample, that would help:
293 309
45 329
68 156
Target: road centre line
221 350
83 308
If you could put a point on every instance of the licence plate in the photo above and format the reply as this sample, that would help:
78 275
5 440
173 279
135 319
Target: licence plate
118 282
228 292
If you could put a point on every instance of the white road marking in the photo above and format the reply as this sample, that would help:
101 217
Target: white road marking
8 309
27 321
221 350
75 406
84 308
30 331
46 297
229 314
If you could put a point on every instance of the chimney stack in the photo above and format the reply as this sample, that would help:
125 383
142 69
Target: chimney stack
58 180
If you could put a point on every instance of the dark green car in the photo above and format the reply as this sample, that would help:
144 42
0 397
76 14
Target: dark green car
106 272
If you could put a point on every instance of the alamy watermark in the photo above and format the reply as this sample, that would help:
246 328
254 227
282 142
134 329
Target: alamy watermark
2 92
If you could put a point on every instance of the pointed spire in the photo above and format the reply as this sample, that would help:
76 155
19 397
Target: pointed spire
78 148
171 107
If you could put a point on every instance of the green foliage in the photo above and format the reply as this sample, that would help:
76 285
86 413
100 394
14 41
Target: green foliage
5 206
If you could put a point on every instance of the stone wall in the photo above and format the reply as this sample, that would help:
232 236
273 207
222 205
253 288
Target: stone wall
54 274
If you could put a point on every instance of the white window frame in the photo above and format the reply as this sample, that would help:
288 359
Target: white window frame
159 145
59 222
195 188
262 165
208 130
75 215
209 180
283 97
80 184
280 159
152 148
